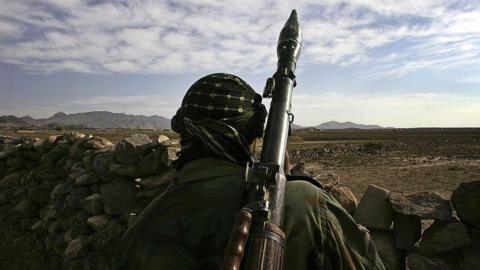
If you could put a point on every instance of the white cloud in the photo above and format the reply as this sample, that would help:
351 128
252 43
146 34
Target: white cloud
10 30
186 36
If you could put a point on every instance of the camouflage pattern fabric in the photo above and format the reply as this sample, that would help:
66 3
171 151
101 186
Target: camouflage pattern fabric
188 226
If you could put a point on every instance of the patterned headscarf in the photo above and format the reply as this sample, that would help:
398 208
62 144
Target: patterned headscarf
222 112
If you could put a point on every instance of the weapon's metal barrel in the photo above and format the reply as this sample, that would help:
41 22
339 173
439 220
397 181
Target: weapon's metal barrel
273 150
276 135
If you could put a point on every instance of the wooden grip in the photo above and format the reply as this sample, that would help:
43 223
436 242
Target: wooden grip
265 249
238 238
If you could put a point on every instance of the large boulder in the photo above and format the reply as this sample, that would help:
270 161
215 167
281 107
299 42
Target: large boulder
444 236
466 200
118 195
374 210
96 143
424 205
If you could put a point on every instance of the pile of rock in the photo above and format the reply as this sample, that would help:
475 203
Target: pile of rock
73 196
395 224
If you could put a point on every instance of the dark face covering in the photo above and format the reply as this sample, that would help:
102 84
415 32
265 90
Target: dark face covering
220 116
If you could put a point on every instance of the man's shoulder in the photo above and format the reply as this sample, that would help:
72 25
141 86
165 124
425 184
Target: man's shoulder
301 194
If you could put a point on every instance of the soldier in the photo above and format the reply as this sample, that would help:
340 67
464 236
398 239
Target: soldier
188 226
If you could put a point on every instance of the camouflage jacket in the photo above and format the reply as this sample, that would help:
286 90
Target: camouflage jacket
187 227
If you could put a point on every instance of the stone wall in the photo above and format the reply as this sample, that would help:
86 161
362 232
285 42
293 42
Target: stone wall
65 202
424 230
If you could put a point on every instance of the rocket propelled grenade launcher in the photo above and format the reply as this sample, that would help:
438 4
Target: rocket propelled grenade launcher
256 240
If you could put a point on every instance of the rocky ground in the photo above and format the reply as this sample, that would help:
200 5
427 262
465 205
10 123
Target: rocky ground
422 161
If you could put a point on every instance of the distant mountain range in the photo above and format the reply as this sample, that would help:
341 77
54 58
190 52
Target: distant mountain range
96 119
339 125
104 119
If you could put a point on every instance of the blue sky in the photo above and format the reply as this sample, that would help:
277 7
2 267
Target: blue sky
394 63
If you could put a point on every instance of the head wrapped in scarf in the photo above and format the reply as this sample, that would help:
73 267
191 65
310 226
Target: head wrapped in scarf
220 114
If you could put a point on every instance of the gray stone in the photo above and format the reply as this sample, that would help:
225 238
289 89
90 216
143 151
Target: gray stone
62 190
385 243
162 139
101 164
425 205
123 170
76 248
86 179
374 210
418 262
407 230
98 222
93 204
26 208
73 233
131 149
466 200
118 195
96 143
74 199
444 236
151 164
37 225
